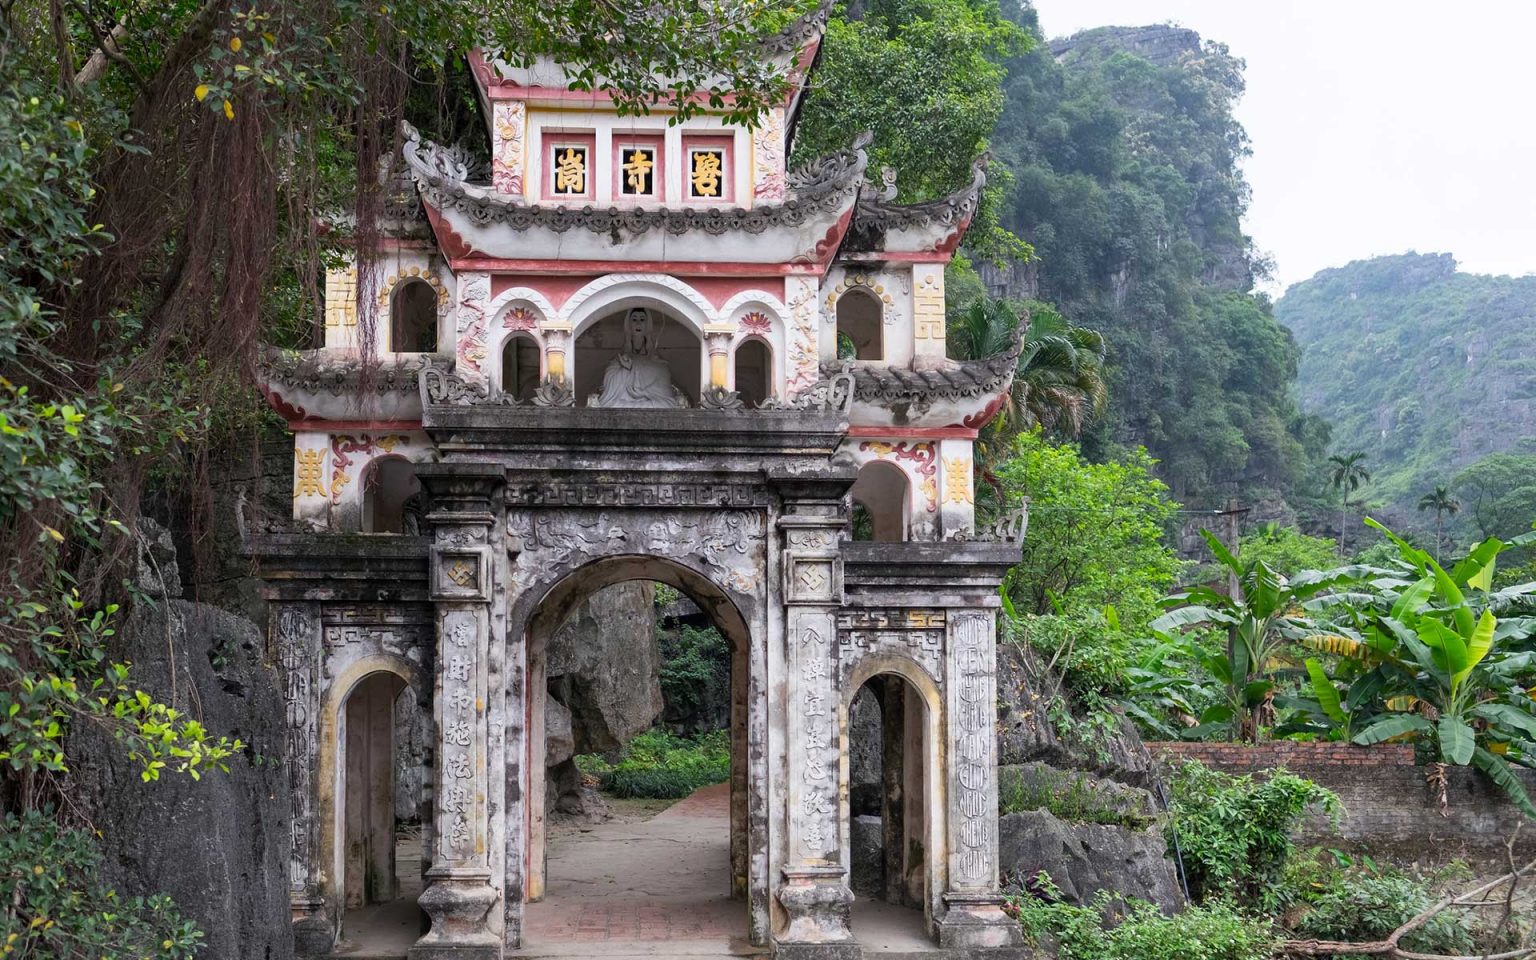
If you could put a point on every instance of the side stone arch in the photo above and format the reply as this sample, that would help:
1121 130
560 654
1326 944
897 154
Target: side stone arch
758 315
520 311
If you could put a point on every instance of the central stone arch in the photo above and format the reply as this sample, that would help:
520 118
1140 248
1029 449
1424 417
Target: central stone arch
547 604
719 560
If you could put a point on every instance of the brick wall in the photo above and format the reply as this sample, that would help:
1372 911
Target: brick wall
1389 810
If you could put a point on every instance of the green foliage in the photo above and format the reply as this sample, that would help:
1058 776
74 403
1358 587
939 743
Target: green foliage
924 77
1068 796
1059 383
1288 550
1093 563
1500 494
1128 186
1402 354
58 908
1439 664
1234 833
1363 907
695 676
1262 621
661 766
1209 931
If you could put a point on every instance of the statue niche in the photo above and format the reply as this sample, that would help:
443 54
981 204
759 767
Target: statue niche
637 377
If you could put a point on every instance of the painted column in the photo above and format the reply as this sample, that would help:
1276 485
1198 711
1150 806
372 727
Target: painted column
461 887
957 496
814 893
973 917
717 338
296 637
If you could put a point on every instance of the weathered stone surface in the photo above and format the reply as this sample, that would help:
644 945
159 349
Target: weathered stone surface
605 668
867 853
1026 697
559 742
220 845
865 786
1085 858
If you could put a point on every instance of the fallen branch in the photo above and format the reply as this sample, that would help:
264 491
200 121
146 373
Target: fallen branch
1390 946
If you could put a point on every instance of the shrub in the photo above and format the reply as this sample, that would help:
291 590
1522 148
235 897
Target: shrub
1233 834
1362 907
57 906
1211 931
695 678
660 766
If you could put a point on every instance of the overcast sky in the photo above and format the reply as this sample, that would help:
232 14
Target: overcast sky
1377 127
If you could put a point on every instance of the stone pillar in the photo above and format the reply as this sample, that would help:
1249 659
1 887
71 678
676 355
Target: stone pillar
814 893
296 632
973 916
461 891
557 339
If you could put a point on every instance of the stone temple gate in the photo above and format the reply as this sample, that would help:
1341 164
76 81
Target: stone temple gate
638 352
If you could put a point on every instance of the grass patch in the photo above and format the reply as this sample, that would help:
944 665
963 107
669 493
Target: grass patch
1069 797
661 766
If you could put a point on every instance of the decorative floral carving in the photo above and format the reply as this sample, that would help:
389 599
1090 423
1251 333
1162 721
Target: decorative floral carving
768 156
757 323
508 120
716 397
519 318
555 392
474 293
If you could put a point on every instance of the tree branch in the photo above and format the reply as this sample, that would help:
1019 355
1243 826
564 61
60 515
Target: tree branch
1389 947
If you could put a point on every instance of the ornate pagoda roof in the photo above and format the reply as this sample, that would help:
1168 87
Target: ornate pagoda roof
474 220
934 227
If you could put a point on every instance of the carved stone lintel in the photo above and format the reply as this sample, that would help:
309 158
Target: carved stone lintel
719 398
555 392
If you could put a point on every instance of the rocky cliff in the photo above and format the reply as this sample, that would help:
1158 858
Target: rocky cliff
1424 368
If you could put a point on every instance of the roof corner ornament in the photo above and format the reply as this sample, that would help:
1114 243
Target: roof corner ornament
833 393
1007 528
440 386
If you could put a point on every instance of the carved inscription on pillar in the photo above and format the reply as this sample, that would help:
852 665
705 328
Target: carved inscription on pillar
298 636
975 711
812 704
462 797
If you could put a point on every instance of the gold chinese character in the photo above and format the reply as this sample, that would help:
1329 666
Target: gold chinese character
638 171
309 480
571 171
706 173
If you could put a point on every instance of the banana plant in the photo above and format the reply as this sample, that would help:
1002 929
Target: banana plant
1269 614
1452 681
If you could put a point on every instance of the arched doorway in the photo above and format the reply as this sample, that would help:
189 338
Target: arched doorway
860 327
382 735
392 497
413 317
754 371
890 732
520 366
882 503
686 869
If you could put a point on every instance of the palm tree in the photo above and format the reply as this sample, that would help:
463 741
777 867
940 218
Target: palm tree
1440 501
1060 382
1348 474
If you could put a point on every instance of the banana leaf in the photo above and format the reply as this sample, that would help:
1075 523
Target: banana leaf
1499 772
1457 741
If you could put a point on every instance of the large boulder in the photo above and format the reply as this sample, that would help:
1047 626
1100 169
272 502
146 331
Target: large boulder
218 846
1085 858
605 667
866 786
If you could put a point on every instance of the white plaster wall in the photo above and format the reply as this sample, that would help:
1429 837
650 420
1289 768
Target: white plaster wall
392 268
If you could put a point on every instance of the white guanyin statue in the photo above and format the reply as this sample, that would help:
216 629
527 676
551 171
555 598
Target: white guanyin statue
637 378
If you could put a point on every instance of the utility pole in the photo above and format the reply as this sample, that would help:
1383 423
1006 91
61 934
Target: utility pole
1232 514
